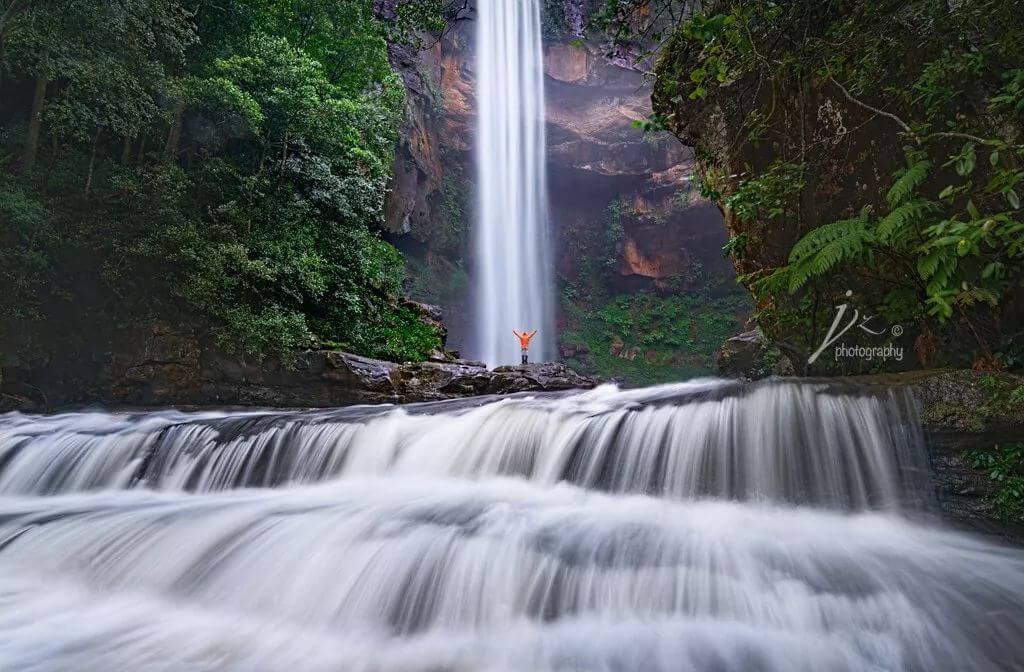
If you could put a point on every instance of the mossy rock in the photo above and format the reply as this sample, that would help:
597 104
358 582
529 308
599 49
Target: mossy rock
752 356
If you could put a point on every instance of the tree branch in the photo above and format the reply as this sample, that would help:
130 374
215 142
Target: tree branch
870 108
906 127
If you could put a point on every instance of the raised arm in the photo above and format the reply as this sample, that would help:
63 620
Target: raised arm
517 334
532 333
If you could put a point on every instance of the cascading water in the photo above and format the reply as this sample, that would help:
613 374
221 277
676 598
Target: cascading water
700 526
514 270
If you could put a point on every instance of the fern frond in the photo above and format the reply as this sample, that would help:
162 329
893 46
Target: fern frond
937 267
775 282
907 180
976 295
827 246
896 227
817 239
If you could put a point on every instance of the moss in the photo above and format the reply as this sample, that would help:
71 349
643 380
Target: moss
978 402
553 24
646 338
954 415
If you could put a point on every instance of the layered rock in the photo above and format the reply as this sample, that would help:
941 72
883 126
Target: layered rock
964 411
597 159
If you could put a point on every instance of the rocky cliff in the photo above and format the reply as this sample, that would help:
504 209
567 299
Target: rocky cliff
820 122
626 215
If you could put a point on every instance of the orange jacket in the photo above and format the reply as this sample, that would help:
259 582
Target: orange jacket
524 338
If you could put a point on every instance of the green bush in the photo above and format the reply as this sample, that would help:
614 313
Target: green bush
227 166
1004 466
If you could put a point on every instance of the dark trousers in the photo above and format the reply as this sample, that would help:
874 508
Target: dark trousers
524 356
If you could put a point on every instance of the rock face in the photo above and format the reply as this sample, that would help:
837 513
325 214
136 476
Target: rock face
841 132
597 162
751 355
331 378
607 174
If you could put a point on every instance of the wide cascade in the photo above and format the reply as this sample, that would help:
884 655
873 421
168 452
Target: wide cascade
514 272
699 526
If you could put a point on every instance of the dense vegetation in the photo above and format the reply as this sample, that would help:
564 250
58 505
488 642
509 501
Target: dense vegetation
217 163
868 146
666 331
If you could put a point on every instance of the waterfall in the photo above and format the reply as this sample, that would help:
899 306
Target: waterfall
708 525
512 244
777 441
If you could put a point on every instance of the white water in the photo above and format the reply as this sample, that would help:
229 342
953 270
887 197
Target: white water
777 527
514 273
800 443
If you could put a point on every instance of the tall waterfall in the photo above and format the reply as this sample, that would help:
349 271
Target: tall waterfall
775 527
514 267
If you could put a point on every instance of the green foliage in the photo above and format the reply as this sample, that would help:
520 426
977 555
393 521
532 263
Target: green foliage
1004 466
825 247
736 246
769 195
437 280
552 20
907 181
723 43
646 338
222 161
940 242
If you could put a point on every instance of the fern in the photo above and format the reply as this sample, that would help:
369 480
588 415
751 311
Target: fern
824 247
773 283
937 268
897 227
907 181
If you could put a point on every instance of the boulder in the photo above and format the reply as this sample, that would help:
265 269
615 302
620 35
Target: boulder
751 356
173 369
548 376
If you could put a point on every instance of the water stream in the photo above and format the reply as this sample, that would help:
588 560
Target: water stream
704 526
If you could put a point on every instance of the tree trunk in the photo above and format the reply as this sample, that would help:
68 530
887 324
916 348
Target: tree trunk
284 155
140 161
54 157
92 162
174 137
126 150
35 122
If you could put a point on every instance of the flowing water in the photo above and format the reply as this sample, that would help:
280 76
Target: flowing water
705 526
514 279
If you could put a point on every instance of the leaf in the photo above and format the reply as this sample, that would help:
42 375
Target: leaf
993 158
1012 198
927 265
909 179
992 270
972 210
965 161
898 225
828 245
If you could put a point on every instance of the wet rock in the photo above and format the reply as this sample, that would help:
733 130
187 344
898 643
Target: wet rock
752 356
186 374
962 411
546 376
